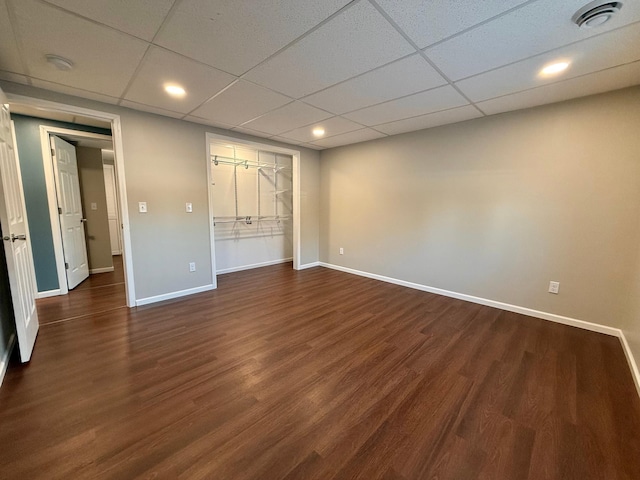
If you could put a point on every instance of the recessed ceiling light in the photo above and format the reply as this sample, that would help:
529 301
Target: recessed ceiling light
175 90
318 131
554 68
59 62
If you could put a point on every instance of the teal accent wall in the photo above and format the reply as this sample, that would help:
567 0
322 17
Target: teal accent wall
35 193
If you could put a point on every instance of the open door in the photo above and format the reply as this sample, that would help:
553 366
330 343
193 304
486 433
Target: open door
72 222
13 220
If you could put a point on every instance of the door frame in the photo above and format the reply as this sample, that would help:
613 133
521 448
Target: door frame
119 164
46 132
295 178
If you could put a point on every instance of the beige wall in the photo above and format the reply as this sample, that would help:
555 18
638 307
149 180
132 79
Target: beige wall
498 207
165 166
92 190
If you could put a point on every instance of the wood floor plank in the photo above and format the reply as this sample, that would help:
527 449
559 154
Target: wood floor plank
315 374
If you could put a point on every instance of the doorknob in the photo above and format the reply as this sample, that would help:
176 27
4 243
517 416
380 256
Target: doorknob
17 237
83 220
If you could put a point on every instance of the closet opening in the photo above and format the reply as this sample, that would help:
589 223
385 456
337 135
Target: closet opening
253 204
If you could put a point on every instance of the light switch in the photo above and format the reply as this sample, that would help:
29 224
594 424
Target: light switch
94 206
142 207
189 208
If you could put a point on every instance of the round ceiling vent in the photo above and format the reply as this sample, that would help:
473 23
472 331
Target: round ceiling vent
596 13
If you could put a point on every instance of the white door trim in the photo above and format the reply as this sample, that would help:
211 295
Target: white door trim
119 161
295 154
46 131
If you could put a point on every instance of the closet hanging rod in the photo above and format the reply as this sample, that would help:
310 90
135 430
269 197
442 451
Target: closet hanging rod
219 159
250 219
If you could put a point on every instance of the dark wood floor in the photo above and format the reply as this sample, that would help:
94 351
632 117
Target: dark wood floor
319 374
99 293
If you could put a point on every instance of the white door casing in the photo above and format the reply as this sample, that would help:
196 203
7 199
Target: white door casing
112 209
13 219
70 209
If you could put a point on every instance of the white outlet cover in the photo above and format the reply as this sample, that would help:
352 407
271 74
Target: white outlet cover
142 207
192 266
189 207
554 287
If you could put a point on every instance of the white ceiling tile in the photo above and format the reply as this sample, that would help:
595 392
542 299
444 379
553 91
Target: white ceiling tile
597 53
141 18
14 77
332 126
237 35
287 118
249 131
161 67
104 59
312 146
204 121
429 21
76 92
603 81
441 98
241 102
347 138
533 29
404 77
9 54
151 109
354 42
454 115
285 140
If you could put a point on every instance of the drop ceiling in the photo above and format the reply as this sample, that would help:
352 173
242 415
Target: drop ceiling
359 69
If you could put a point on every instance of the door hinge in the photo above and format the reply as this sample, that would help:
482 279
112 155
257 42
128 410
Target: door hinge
66 266
53 152
59 211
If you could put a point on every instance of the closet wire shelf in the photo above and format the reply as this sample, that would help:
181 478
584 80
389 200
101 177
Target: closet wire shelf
236 162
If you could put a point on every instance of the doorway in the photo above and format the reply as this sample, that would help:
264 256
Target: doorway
118 271
254 204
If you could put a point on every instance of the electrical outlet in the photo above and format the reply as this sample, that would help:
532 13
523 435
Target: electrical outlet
189 207
142 207
341 251
192 266
554 287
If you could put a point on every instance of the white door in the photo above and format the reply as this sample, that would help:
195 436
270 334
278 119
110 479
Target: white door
70 210
13 220
112 209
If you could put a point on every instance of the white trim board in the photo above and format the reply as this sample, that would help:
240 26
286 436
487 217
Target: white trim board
4 362
635 372
48 293
101 270
169 296
552 317
309 265
253 265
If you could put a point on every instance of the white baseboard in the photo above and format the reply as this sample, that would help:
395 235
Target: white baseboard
48 293
4 362
172 295
635 373
101 270
253 265
594 327
309 265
